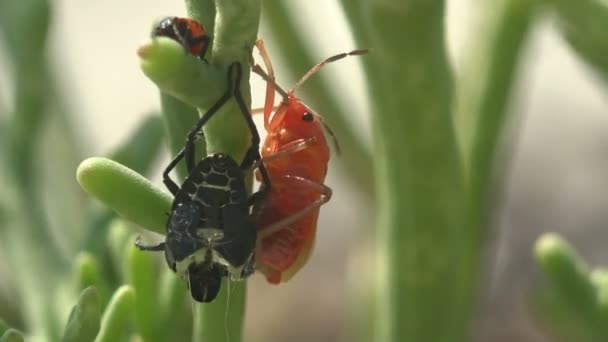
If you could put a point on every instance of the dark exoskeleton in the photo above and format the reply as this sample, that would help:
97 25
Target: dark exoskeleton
210 233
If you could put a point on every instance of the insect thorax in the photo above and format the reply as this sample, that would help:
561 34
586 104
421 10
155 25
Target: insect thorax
216 181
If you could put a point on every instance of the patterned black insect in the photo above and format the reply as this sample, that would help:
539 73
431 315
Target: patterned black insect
210 233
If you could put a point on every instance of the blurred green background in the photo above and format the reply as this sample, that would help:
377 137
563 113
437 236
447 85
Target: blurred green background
84 95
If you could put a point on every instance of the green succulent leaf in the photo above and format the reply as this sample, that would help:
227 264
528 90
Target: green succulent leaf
125 191
181 75
582 292
3 327
143 276
120 238
172 293
83 323
118 315
88 274
566 270
599 279
12 335
560 320
584 25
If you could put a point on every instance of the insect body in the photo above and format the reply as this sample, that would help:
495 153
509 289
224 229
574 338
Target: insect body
209 231
296 155
188 32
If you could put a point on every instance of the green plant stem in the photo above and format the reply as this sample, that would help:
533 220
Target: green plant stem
27 239
204 12
356 158
179 119
221 320
236 27
25 25
236 30
418 173
484 92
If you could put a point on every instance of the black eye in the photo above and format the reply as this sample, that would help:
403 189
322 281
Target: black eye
307 116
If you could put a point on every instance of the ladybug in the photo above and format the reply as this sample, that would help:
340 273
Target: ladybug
188 32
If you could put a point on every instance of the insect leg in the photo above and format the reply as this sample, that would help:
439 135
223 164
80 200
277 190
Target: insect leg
153 248
169 183
270 86
291 147
256 111
325 193
204 39
253 153
189 152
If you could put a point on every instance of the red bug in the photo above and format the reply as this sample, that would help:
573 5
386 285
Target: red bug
296 155
188 32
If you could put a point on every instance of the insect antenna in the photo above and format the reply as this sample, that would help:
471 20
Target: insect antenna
258 70
255 111
328 60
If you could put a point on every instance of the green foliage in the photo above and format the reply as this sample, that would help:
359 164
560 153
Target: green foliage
575 303
83 323
126 191
116 318
435 140
583 24
11 335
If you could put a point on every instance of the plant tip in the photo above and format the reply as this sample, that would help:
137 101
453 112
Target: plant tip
144 50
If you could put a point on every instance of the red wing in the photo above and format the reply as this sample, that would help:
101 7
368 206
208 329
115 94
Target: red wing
279 251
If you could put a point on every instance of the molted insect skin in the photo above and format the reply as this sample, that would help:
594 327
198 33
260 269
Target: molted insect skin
216 185
181 230
212 202
216 181
210 234
204 282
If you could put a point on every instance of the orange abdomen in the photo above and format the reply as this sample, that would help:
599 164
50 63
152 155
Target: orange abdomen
283 253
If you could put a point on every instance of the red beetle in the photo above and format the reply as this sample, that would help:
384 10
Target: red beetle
296 155
188 32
